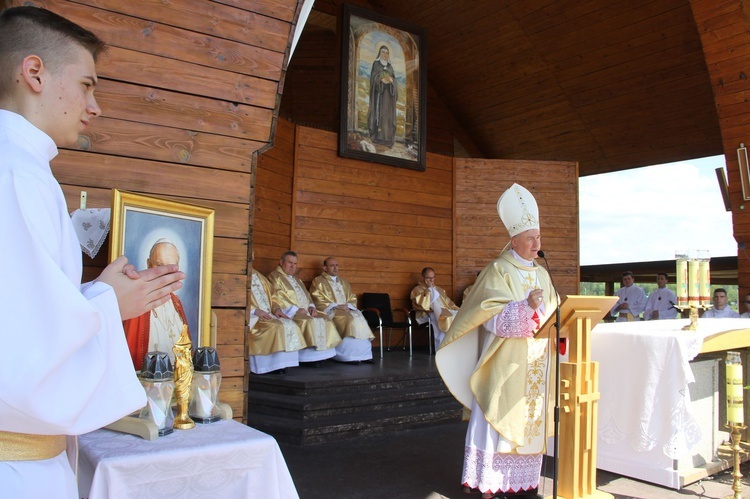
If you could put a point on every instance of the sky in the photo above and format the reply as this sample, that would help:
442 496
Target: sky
645 214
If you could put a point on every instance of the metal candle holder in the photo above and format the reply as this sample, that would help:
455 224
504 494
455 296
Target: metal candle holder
736 436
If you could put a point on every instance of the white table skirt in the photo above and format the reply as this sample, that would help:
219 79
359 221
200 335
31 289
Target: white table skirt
646 420
220 460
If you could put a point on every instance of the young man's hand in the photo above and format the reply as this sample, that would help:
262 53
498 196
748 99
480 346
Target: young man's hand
139 292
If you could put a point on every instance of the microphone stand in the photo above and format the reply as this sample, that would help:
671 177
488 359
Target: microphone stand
556 433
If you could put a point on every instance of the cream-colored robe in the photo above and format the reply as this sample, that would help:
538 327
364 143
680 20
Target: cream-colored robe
421 301
319 331
327 293
498 379
269 336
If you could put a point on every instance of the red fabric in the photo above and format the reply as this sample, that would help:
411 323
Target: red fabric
535 318
137 332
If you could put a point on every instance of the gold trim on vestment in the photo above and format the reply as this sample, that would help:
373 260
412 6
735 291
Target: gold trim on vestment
28 447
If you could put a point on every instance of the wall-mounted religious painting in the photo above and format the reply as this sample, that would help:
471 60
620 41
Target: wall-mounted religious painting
150 232
383 90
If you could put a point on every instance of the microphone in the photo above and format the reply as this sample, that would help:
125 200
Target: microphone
561 345
561 342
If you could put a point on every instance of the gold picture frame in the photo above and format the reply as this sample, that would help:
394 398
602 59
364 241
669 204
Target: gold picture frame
139 221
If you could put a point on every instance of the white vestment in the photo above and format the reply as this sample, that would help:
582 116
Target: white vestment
663 301
725 313
635 297
66 368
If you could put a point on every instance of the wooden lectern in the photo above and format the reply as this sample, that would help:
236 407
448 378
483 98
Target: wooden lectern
579 395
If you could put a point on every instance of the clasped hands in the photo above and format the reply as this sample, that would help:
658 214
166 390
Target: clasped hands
140 291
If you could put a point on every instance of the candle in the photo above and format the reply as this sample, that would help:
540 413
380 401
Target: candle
682 282
735 409
705 282
693 283
201 403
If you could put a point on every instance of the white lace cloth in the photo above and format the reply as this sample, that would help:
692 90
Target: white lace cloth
644 373
220 460
643 379
92 227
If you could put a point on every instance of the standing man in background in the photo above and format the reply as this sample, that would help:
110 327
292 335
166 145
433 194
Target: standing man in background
632 299
661 302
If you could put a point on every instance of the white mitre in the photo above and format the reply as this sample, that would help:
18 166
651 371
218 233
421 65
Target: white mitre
518 210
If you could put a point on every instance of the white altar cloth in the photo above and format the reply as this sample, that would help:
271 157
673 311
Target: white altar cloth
646 422
219 460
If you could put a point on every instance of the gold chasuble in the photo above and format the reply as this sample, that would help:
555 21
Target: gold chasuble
507 375
326 291
269 336
421 299
289 291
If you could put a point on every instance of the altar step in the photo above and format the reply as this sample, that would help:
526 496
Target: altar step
338 402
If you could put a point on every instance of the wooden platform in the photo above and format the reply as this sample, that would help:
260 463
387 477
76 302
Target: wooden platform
336 401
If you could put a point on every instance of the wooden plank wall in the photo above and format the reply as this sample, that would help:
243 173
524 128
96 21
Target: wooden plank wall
725 35
272 222
189 91
384 224
479 233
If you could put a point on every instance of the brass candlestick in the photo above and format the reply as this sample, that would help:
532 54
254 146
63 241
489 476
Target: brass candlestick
736 474
183 377
693 326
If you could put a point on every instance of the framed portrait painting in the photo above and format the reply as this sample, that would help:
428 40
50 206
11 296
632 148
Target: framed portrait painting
383 90
150 231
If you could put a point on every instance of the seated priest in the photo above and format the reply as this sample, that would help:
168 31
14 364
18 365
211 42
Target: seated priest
274 342
333 294
431 301
291 299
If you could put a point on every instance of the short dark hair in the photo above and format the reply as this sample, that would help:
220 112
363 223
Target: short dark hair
664 274
325 262
627 273
720 290
424 270
32 30
288 253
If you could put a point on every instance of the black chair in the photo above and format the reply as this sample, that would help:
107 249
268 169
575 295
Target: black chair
425 326
376 307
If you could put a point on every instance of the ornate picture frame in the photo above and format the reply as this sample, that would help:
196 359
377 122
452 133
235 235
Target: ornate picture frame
139 222
383 90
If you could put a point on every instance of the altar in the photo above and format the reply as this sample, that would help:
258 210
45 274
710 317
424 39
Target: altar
225 459
659 412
